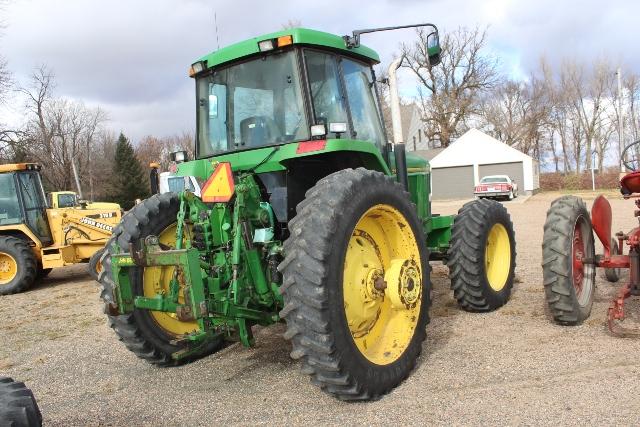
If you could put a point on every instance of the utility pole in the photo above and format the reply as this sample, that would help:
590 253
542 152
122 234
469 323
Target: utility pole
620 121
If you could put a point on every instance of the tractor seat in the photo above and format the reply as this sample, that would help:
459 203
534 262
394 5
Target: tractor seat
258 130
630 183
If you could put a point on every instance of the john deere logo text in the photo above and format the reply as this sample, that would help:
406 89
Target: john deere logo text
96 224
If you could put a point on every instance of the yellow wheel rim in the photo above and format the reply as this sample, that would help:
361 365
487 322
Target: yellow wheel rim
8 268
156 280
497 257
382 284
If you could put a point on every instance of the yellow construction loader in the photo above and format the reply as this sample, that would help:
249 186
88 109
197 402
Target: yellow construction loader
34 238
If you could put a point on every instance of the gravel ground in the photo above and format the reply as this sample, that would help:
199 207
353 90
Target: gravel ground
509 367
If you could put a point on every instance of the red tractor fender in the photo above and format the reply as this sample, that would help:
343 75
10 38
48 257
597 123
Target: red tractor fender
601 221
630 183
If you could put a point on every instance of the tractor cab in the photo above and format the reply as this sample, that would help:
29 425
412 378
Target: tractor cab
288 90
22 199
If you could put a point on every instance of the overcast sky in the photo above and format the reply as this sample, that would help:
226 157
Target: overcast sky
131 57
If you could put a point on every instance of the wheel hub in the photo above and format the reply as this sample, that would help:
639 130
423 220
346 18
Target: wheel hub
578 256
8 268
382 284
404 283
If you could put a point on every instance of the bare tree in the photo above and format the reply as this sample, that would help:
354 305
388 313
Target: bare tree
587 97
60 134
450 92
632 88
154 149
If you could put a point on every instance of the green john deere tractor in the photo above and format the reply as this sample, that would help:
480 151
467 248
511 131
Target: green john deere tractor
307 216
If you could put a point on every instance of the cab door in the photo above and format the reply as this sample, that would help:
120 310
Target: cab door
33 204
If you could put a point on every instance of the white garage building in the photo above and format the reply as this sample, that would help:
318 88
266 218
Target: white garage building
458 168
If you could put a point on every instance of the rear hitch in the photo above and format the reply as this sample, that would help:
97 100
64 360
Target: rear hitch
139 256
616 315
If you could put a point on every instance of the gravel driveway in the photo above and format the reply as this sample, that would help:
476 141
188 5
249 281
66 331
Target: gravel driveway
509 367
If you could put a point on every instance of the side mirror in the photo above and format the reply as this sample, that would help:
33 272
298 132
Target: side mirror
433 48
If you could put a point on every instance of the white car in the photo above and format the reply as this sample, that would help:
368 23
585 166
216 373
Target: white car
496 186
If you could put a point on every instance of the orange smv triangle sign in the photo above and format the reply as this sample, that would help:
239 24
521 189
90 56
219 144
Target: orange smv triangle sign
219 187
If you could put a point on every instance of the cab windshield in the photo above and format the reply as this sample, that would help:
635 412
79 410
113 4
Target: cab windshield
251 104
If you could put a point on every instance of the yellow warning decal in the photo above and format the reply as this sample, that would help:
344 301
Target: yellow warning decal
219 187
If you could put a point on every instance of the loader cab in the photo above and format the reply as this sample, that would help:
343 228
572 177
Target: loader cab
22 200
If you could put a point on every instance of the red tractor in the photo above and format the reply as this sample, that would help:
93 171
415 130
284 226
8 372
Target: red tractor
568 253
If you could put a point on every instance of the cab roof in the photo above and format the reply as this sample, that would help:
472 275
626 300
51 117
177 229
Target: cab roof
300 36
14 167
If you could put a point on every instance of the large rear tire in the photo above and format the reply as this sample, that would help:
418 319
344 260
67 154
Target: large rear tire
18 407
356 284
149 334
569 283
482 257
18 265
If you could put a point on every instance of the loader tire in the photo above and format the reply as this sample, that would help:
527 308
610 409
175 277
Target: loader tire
482 256
355 229
18 407
95 264
18 265
140 331
569 284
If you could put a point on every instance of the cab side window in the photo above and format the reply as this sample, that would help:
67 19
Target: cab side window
362 101
326 91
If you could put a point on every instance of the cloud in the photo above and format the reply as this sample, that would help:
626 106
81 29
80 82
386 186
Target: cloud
131 57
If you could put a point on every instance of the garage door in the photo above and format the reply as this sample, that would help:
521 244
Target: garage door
452 183
514 170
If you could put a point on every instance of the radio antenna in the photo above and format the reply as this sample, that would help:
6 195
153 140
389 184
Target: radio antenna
215 20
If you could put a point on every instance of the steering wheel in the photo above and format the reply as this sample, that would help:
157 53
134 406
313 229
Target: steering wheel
631 156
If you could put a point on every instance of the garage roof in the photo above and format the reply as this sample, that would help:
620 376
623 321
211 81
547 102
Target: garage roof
476 147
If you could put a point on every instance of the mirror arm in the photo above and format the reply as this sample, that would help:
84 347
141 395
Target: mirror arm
353 41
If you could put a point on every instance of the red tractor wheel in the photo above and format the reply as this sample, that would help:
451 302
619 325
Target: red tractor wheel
568 261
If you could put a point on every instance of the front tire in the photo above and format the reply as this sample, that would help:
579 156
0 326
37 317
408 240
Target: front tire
356 284
18 265
482 257
613 274
569 283
149 334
